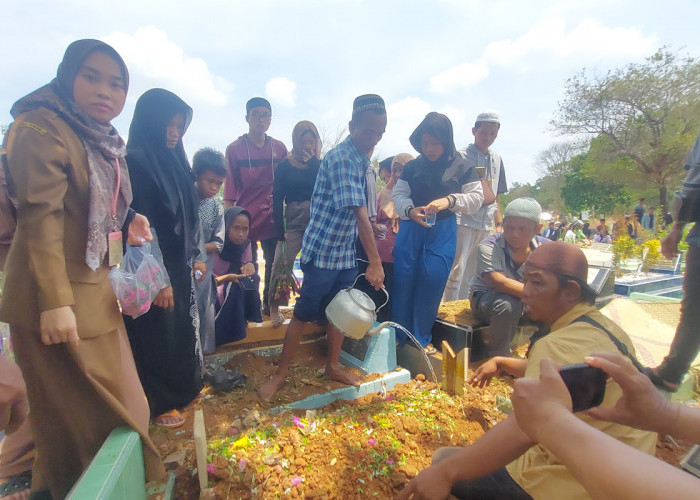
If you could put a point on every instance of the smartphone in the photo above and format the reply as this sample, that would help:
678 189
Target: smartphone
586 385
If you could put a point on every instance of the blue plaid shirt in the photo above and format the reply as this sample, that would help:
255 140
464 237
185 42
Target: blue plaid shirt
329 239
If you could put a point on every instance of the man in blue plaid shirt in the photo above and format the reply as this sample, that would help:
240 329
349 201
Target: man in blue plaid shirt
338 215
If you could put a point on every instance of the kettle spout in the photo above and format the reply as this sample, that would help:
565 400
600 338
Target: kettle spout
376 329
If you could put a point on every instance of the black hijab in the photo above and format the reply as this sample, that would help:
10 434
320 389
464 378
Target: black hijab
432 180
231 252
103 145
168 168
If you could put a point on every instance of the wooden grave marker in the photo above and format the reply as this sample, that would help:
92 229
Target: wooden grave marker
454 369
200 444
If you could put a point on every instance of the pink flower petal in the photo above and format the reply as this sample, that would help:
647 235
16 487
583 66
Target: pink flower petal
211 469
297 480
372 441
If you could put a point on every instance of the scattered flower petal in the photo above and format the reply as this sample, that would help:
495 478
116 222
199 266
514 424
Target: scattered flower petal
297 480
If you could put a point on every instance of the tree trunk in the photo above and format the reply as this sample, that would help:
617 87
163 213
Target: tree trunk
662 199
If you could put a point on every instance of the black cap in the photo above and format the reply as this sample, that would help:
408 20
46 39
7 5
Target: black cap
256 102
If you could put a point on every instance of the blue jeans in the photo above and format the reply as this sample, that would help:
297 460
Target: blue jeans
422 263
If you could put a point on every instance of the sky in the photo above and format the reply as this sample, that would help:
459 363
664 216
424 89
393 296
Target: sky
311 58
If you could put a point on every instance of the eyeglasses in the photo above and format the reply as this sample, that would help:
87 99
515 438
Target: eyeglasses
260 116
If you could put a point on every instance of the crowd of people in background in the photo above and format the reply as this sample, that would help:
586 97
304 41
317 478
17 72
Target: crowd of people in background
431 230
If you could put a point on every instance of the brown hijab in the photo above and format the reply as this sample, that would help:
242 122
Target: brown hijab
386 203
297 154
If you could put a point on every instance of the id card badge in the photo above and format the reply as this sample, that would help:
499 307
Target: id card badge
115 250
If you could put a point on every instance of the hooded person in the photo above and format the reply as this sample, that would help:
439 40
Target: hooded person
67 170
238 297
164 191
432 188
291 204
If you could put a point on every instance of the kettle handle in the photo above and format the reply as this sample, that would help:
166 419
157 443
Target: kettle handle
383 290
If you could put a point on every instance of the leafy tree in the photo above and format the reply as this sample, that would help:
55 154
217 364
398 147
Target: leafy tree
517 190
553 164
580 191
644 115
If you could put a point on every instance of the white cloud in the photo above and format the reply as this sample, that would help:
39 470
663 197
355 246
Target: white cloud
150 54
458 77
413 108
589 40
403 118
281 90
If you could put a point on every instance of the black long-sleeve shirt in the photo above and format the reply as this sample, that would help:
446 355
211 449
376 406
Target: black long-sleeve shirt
292 184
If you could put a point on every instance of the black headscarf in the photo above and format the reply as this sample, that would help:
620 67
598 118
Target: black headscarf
103 145
430 180
231 252
168 168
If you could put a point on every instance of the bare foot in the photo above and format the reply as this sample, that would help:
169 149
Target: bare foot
268 390
340 375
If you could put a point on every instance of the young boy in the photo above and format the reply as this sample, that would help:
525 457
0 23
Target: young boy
473 228
209 169
338 216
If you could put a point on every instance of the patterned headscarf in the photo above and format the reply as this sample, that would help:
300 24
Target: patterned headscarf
104 147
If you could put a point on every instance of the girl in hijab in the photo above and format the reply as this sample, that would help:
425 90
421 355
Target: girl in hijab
67 170
239 298
165 340
388 221
295 178
431 190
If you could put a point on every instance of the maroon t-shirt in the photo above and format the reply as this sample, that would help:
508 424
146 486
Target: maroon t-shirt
251 173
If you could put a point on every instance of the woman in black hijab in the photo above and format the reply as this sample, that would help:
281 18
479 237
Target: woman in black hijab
165 340
431 189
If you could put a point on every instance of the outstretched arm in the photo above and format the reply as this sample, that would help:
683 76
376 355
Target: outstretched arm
607 468
498 447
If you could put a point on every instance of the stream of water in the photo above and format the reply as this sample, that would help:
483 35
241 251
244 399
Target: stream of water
420 348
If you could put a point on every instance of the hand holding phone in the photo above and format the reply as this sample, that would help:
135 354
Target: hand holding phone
538 401
586 385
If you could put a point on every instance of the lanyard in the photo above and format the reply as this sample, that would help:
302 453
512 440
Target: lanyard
116 194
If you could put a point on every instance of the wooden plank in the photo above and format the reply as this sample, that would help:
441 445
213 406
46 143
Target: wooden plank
262 332
200 444
449 363
460 376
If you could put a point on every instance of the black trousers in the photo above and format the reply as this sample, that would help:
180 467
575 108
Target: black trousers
686 343
495 486
268 249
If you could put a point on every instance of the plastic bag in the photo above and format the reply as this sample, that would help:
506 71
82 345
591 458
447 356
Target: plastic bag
137 280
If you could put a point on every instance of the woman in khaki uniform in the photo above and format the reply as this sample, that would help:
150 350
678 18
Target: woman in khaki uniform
66 164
